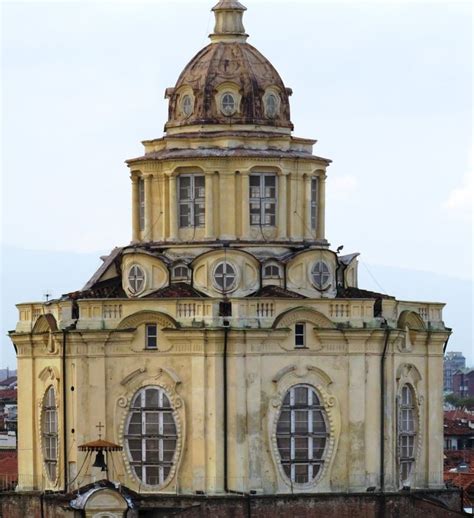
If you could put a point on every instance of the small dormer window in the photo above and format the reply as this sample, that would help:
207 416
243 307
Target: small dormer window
271 271
187 105
320 275
271 106
136 279
228 104
180 273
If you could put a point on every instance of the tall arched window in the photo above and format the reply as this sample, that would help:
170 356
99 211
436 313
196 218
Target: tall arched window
49 431
302 434
406 433
151 436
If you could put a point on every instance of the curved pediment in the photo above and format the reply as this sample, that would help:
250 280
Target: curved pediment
302 314
45 324
411 320
147 317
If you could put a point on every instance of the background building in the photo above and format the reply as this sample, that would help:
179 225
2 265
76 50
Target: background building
453 361
228 349
463 383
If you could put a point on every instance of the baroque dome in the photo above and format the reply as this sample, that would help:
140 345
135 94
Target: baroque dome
229 81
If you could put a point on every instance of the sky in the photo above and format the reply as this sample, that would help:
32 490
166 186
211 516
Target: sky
384 86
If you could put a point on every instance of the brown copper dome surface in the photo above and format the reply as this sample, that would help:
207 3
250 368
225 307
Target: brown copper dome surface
233 66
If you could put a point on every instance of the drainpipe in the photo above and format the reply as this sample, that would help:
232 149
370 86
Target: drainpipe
224 370
65 461
65 332
382 408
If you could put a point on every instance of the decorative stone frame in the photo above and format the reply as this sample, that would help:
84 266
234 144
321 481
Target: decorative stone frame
182 93
276 93
282 382
408 374
138 379
273 281
412 323
230 88
50 378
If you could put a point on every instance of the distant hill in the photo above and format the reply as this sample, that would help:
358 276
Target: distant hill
27 274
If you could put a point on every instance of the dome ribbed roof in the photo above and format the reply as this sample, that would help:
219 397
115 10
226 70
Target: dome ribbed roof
229 65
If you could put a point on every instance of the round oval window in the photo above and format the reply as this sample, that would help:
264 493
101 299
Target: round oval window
187 105
302 434
136 279
151 436
271 106
320 274
228 104
225 277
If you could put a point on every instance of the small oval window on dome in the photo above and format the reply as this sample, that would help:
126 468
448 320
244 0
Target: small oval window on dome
228 104
225 277
271 106
187 105
321 275
136 279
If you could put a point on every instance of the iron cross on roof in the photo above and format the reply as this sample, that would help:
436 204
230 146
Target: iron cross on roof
100 426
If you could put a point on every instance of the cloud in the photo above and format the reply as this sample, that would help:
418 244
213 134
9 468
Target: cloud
460 200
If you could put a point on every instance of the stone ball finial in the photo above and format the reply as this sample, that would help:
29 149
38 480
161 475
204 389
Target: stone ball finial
229 22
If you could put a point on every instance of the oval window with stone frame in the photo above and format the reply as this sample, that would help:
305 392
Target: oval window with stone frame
187 105
302 434
225 277
151 436
136 279
49 430
320 275
271 106
228 104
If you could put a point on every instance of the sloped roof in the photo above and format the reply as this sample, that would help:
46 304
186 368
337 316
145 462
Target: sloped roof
175 291
9 394
109 289
8 381
357 293
271 291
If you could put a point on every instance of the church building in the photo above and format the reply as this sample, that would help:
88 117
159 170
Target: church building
228 354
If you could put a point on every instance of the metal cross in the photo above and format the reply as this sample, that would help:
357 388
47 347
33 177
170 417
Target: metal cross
100 426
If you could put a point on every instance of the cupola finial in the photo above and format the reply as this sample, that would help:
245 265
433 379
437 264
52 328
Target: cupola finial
229 25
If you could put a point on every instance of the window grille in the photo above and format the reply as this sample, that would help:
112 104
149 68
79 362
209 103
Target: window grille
271 106
141 202
300 332
180 273
151 436
302 434
320 274
50 433
187 105
407 433
136 279
314 202
228 104
225 276
151 336
271 271
262 199
191 201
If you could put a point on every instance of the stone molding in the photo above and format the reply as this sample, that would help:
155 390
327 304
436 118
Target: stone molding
141 378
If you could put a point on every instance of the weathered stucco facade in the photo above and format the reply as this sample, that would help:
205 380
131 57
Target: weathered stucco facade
231 309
